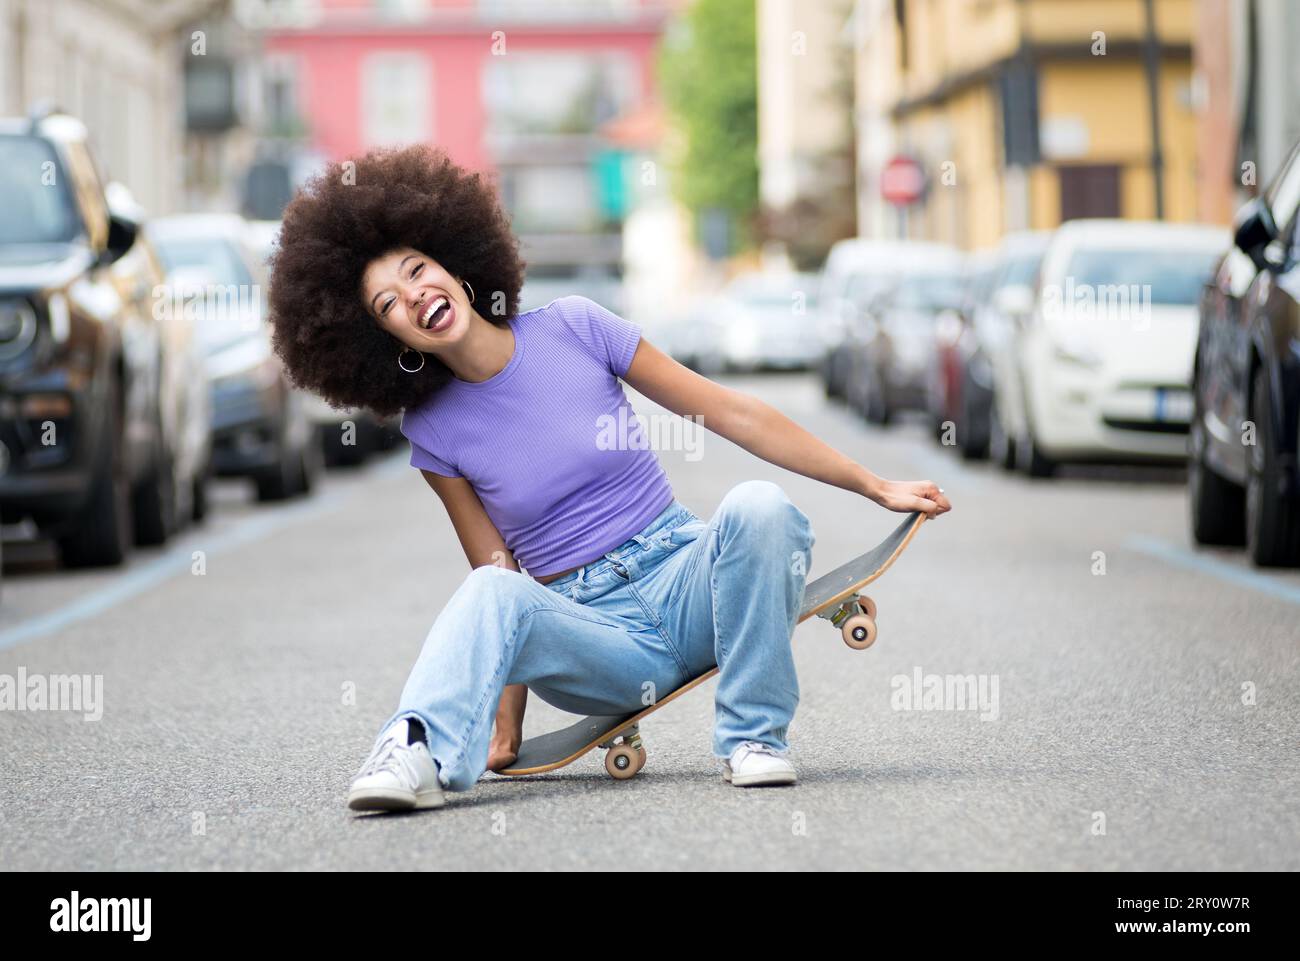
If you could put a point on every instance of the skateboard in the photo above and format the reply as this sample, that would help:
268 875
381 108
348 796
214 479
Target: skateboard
832 596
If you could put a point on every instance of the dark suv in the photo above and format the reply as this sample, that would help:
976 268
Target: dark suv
82 450
1243 478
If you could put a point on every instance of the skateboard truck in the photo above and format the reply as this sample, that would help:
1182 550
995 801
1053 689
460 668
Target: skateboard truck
625 754
856 619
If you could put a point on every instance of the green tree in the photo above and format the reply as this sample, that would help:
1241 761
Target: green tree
710 79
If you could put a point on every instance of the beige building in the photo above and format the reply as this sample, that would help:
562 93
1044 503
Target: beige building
804 102
119 67
1023 113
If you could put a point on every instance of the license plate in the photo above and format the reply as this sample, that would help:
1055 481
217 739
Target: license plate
1173 406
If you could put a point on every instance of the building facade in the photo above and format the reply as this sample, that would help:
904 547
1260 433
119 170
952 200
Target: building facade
805 134
118 67
541 95
1025 113
1247 55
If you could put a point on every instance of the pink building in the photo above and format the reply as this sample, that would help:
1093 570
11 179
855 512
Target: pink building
533 91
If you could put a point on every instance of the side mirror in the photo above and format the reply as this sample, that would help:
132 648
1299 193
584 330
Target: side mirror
125 215
1256 230
121 235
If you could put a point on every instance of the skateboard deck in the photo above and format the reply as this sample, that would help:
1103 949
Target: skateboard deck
833 596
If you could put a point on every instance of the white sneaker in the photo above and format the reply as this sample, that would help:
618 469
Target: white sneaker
397 776
757 765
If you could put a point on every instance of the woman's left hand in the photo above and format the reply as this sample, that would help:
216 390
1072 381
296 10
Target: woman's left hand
907 496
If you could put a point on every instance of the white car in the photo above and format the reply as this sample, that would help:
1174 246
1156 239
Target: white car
997 321
857 270
768 321
1105 355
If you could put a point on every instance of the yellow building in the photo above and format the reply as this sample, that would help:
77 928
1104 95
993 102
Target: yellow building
1023 113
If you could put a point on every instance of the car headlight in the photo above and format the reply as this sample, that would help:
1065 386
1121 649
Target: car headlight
1075 348
18 325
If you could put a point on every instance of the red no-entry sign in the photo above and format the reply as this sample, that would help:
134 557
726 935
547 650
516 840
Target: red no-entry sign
902 181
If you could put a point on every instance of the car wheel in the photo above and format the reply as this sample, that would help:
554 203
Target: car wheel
282 481
154 505
199 498
972 436
1217 505
312 462
1031 459
1002 449
1272 518
873 407
336 452
102 536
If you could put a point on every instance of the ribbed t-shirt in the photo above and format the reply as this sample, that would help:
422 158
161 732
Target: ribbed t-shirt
550 443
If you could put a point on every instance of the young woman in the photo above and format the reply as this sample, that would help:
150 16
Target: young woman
396 288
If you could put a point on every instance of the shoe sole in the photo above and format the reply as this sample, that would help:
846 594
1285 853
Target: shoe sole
759 780
376 800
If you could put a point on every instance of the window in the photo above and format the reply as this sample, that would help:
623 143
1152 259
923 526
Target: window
397 97
1089 191
34 194
569 93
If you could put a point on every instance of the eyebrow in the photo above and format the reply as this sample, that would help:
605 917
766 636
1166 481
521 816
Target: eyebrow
399 270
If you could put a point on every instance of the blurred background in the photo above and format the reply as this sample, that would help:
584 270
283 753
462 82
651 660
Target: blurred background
1049 232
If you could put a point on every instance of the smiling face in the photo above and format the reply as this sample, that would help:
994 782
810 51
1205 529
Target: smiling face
416 300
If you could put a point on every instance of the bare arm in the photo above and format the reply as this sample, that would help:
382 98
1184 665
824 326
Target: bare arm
484 546
767 433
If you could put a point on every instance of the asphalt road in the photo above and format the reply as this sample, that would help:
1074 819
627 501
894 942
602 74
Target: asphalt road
1147 717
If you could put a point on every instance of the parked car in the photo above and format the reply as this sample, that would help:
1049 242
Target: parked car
892 341
990 375
952 399
1105 356
856 271
1243 477
761 321
97 440
693 337
260 423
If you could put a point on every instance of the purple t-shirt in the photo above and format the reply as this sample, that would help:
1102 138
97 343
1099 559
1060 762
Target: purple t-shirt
550 443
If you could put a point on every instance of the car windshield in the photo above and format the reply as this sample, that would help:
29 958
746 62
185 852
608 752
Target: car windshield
229 306
928 292
1021 270
1169 276
34 196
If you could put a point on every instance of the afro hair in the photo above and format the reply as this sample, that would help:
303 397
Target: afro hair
342 220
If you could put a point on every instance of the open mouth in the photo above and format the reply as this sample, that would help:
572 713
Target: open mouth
436 313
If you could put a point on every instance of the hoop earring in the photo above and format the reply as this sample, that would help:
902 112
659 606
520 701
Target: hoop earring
468 289
410 370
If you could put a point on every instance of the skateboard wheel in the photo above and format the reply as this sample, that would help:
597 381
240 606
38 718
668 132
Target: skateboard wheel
622 762
859 632
640 754
868 606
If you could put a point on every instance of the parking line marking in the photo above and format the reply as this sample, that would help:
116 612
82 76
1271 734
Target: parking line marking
1188 560
179 557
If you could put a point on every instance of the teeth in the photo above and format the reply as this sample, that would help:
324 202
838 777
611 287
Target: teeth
433 309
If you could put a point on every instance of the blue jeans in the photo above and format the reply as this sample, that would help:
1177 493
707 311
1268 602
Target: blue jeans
625 630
